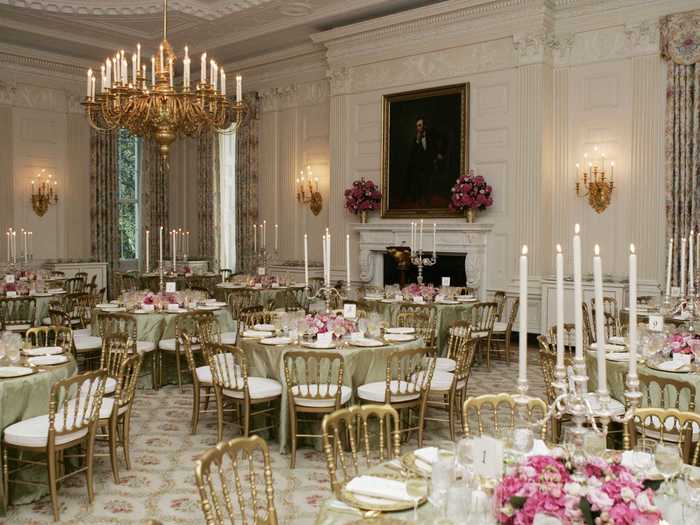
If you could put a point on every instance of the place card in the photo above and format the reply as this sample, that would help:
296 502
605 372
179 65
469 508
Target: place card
656 323
487 454
173 307
261 270
170 287
446 281
398 297
11 293
350 311
9 278
418 299
325 339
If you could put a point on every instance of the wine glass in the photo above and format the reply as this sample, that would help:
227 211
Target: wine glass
523 439
667 458
446 451
417 488
443 475
594 443
464 459
691 502
643 459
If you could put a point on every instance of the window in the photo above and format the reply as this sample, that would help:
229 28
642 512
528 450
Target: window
227 206
128 173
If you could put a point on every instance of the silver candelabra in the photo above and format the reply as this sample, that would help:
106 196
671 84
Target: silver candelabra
326 292
419 262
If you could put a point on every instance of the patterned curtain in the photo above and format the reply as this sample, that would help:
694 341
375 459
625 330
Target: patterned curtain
680 47
104 208
154 199
207 178
247 139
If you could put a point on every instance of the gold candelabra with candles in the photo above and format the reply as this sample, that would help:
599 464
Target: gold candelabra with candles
44 192
592 181
159 109
307 191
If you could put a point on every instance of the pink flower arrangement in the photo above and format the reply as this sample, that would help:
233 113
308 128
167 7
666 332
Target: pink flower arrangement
265 280
186 270
680 344
544 484
322 323
364 195
427 291
471 191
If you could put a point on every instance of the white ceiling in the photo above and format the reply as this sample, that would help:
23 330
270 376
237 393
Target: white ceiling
229 30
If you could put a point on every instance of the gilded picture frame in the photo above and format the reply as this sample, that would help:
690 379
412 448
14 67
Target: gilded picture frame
425 148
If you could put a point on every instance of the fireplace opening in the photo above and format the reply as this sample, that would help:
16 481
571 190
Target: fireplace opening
448 265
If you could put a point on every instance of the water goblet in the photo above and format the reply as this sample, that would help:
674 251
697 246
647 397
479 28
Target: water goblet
446 451
417 488
594 443
643 459
691 501
443 475
667 458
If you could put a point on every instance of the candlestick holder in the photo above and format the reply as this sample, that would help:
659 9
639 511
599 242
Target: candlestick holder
263 259
419 262
325 292
161 279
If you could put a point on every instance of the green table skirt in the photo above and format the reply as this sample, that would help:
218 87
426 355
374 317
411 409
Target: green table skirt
23 398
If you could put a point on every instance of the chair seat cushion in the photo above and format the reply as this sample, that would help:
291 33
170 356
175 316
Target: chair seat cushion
143 347
204 374
442 381
228 338
87 342
480 333
110 386
82 331
108 406
400 391
34 432
326 390
169 345
259 388
17 327
498 326
445 364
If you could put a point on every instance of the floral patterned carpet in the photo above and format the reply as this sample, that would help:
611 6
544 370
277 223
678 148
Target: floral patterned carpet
161 483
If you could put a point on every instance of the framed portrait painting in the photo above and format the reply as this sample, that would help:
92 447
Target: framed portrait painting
424 149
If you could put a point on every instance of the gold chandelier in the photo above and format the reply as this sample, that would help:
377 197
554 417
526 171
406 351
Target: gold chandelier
44 192
158 109
593 178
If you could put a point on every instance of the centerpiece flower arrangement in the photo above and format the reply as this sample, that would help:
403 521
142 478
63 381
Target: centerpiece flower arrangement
470 193
186 270
321 323
609 494
265 280
427 291
679 343
159 300
361 197
21 287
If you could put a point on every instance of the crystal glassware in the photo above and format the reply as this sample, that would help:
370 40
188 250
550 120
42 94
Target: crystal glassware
417 488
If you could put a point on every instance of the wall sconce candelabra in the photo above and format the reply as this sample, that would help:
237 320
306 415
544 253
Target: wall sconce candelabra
592 180
307 191
43 192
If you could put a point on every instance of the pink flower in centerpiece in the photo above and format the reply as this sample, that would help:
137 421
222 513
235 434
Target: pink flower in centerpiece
471 191
363 195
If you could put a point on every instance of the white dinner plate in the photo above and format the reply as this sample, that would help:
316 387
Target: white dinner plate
374 297
207 307
366 343
42 294
447 301
317 345
399 338
142 311
618 356
178 311
15 371
389 300
275 341
256 334
104 305
113 309
264 327
220 304
401 330
43 350
43 360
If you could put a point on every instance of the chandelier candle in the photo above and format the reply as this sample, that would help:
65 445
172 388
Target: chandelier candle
160 248
325 274
434 240
599 322
522 336
277 231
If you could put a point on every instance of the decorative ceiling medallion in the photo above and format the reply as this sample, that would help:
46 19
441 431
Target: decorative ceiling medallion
295 9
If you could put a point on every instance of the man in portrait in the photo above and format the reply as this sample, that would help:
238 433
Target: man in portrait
426 163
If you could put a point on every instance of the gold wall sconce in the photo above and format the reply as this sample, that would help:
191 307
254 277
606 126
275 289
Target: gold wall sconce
592 181
307 191
44 192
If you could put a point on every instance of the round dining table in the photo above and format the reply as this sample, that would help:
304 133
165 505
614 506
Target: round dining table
22 398
274 295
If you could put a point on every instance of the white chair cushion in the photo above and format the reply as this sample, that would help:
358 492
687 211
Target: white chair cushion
82 331
445 364
482 333
376 391
167 344
498 326
17 327
326 390
110 386
143 347
228 338
259 388
204 374
87 342
107 407
34 432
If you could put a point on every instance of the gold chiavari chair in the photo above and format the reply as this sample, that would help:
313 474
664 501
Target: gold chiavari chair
455 333
295 300
667 425
174 345
356 423
503 330
548 363
82 308
57 315
74 409
499 297
127 282
253 315
569 338
225 493
18 314
406 388
314 386
496 413
238 300
229 370
73 285
423 318
202 382
116 349
209 331
483 319
448 389
587 327
115 413
39 336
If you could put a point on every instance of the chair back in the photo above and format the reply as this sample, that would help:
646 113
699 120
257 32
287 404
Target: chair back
496 413
423 318
253 315
666 392
74 404
408 372
127 282
314 377
373 435
229 483
84 277
208 330
295 299
667 425
464 360
588 336
73 285
127 381
109 324
548 362
512 313
483 317
190 323
83 306
456 334
499 297
240 299
50 336
115 350
17 311
229 367
569 331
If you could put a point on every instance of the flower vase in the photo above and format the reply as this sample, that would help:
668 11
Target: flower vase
470 215
363 217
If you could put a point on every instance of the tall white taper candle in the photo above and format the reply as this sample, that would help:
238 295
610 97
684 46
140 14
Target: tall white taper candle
633 312
669 265
578 295
599 321
560 307
522 335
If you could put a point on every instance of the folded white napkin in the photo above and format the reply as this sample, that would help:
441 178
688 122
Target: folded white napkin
427 455
678 361
276 340
617 340
379 488
256 333
609 347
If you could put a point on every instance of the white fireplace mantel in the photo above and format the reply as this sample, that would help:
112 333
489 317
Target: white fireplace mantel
461 238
